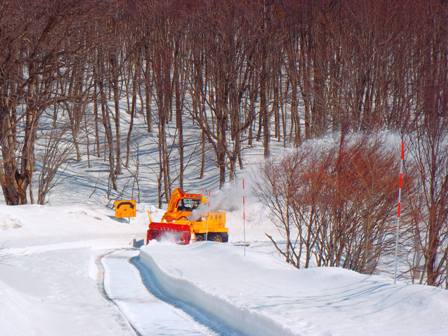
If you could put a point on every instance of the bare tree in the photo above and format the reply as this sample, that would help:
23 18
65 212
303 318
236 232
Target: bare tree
333 206
31 61
56 151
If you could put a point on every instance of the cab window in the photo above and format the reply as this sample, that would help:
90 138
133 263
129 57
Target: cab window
188 204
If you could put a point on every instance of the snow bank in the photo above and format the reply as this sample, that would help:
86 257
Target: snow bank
146 313
259 295
246 321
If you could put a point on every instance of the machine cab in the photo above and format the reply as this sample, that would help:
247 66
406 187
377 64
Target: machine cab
182 204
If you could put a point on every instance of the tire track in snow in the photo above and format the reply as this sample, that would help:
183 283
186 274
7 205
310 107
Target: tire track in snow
151 283
102 290
141 305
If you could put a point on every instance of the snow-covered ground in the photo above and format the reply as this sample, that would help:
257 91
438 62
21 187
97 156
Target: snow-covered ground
69 268
48 272
126 287
54 280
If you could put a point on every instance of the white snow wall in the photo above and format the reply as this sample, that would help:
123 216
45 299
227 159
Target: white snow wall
240 319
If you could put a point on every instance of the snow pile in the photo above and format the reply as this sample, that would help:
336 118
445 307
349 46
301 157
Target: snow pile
259 295
8 222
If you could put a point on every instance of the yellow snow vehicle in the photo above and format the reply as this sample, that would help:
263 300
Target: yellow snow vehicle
186 217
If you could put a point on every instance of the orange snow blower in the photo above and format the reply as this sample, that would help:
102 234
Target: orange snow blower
177 224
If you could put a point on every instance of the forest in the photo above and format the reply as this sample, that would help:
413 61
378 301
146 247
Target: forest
245 73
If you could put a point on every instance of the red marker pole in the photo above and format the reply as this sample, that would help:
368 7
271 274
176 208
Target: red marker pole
244 216
397 233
